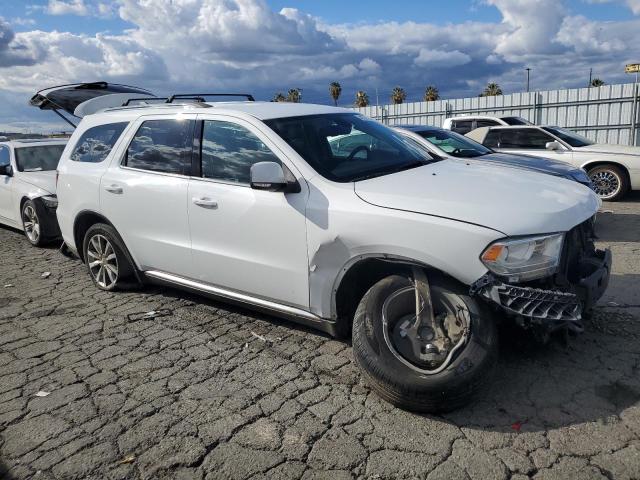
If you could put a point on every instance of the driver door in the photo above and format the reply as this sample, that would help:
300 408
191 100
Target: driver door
527 141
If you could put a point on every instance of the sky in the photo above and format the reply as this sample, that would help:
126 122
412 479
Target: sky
269 46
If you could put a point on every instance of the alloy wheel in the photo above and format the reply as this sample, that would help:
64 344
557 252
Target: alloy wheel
103 262
606 183
31 224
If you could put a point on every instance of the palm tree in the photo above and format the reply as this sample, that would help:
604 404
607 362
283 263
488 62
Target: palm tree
491 90
431 94
398 95
294 95
279 97
362 99
335 89
596 82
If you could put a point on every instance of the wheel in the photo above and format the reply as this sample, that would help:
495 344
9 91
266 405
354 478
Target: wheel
106 257
32 225
422 368
609 182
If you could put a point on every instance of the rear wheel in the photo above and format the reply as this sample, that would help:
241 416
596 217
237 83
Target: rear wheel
106 257
32 225
609 182
423 366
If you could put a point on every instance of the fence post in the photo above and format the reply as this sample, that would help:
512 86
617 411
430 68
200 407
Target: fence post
634 114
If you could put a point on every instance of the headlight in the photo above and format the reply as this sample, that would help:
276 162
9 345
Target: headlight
50 201
580 176
523 259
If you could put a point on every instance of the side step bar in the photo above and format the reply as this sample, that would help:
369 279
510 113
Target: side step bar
292 313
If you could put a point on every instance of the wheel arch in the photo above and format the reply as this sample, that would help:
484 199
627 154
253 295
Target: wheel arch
598 163
83 221
360 273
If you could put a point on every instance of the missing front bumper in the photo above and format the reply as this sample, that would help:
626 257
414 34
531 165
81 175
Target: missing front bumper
550 305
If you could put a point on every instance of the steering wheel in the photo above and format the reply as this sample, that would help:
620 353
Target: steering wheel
357 150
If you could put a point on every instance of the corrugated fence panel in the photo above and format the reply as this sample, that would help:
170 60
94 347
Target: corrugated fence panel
600 113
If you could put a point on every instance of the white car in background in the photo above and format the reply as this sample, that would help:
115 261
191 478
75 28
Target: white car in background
463 124
28 187
613 169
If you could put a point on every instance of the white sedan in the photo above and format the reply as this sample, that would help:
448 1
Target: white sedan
613 169
28 185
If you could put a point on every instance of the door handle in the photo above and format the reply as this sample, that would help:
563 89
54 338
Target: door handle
205 202
113 188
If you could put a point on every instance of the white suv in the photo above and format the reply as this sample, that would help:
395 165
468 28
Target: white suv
247 202
464 124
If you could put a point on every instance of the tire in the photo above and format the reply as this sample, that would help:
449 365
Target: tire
610 182
408 388
31 216
103 244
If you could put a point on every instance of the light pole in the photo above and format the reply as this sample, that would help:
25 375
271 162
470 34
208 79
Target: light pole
528 70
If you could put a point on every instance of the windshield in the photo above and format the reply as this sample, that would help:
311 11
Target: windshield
38 159
347 147
454 144
569 137
516 121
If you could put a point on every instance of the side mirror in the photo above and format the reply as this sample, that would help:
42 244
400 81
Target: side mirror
555 145
6 170
268 176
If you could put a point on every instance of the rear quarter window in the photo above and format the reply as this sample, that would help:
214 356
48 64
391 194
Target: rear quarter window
97 142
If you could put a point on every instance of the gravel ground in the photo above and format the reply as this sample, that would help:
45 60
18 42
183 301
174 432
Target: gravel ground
201 390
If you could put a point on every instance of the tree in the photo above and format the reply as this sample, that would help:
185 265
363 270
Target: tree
398 95
431 94
596 82
294 95
279 97
362 99
491 90
335 89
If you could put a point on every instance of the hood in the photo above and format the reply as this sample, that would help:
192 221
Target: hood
513 202
44 180
529 162
615 149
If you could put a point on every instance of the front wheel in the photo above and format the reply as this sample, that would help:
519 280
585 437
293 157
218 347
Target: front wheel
609 182
424 367
32 225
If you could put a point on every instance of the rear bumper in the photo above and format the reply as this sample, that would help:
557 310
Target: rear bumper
555 304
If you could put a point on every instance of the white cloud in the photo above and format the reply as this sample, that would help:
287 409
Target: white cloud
441 58
72 7
244 45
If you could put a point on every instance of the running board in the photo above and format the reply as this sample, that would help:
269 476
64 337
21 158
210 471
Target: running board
292 313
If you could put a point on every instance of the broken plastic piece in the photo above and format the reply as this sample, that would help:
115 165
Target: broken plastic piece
46 275
42 393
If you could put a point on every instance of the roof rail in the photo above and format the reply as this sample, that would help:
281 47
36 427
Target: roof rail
199 97
144 99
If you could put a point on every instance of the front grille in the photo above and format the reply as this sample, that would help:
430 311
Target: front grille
538 304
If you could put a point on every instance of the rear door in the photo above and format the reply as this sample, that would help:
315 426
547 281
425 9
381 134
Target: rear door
7 213
144 192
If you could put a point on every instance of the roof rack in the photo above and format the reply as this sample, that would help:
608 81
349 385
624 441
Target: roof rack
144 99
199 97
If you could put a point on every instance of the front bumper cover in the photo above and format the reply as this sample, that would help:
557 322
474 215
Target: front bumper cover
556 304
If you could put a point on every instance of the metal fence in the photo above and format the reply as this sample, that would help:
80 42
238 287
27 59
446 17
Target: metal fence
607 114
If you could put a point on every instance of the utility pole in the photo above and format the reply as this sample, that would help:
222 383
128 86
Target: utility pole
528 70
590 76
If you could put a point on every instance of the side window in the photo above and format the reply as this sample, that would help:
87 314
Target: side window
486 123
5 158
96 143
462 126
492 140
525 138
162 146
229 150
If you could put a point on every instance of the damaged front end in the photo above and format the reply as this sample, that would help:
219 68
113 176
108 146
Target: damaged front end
559 300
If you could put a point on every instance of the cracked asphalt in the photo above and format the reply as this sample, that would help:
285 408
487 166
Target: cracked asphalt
202 390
